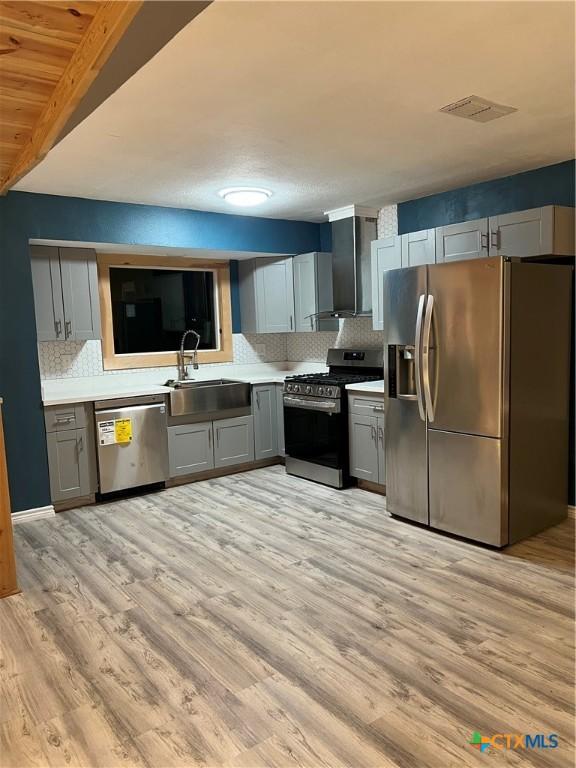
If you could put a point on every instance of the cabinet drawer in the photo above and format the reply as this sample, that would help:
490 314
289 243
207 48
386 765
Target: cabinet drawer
361 405
61 417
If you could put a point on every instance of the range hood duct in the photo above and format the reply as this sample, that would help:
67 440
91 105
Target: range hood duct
352 237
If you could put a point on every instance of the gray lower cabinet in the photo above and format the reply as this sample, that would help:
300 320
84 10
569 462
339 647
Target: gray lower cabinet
233 441
69 464
190 448
386 254
264 408
381 451
71 451
535 232
65 283
280 419
363 433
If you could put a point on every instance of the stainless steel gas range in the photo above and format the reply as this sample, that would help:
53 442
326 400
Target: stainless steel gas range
316 415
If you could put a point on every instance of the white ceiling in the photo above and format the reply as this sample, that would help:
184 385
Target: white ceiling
326 104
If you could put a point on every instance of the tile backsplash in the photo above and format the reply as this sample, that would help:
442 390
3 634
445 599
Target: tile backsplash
71 359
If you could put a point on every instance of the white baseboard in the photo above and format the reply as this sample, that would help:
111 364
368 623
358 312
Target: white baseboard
571 511
38 513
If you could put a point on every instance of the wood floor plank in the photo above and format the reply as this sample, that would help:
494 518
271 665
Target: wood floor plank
263 621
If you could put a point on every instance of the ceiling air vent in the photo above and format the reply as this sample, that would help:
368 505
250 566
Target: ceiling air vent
478 109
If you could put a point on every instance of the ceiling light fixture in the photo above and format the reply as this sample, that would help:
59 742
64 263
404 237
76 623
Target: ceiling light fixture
245 196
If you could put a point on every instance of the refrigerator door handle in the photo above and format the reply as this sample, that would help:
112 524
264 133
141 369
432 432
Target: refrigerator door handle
417 357
426 358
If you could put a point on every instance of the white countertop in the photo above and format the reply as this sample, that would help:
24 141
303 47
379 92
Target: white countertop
367 387
107 387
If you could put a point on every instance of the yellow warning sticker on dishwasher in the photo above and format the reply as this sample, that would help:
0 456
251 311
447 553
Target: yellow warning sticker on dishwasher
123 430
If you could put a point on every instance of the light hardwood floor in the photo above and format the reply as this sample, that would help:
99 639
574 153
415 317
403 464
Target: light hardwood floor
262 620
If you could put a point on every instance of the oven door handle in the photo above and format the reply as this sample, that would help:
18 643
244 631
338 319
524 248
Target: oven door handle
331 406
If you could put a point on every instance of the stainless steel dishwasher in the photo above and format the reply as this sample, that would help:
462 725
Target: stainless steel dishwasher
132 442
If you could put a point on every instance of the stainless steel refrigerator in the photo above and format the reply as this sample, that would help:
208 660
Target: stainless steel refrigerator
476 358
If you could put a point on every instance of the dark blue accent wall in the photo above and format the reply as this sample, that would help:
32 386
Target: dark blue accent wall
326 237
551 185
25 216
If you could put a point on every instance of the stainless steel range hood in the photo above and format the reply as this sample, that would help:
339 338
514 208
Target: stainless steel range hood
353 229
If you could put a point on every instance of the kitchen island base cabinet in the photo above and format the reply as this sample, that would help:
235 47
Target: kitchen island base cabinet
194 448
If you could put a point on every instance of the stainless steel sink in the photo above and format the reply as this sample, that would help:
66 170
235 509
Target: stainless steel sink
209 400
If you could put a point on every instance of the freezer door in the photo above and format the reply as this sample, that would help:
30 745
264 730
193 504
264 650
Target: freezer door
405 426
467 477
406 461
463 329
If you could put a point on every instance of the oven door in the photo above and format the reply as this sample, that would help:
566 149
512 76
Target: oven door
316 431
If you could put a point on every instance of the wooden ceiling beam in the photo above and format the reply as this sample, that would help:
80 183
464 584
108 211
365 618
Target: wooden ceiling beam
109 24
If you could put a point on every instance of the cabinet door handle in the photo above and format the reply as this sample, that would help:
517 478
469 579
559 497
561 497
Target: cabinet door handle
64 419
381 435
258 400
291 322
484 241
379 408
373 432
217 436
67 329
495 238
58 327
210 438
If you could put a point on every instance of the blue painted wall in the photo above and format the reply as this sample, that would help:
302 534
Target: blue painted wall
551 185
24 216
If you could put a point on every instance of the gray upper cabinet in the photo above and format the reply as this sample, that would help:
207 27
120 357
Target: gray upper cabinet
266 295
264 408
80 293
419 248
313 292
233 441
467 240
48 302
366 433
536 232
386 254
190 448
65 285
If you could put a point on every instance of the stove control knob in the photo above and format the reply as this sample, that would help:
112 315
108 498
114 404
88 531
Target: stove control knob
320 390
308 390
288 387
329 391
296 388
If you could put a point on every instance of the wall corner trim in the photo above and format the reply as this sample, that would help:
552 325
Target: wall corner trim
37 513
